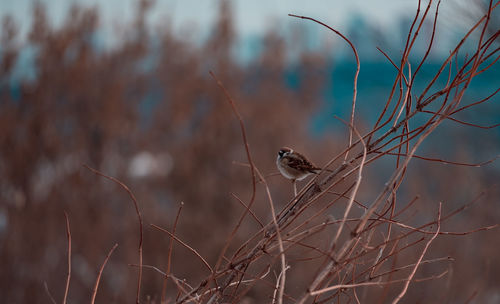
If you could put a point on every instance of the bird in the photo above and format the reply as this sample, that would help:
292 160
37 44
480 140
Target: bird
294 166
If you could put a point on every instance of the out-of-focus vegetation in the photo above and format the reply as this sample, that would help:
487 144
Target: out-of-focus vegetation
150 115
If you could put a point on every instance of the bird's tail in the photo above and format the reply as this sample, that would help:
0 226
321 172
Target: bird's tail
318 170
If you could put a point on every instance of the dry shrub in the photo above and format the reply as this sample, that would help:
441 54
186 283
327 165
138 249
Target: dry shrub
354 233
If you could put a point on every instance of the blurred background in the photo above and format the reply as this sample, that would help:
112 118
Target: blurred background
123 86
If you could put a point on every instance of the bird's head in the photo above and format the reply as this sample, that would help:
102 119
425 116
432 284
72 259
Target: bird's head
284 151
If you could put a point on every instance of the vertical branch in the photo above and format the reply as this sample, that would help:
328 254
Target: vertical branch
47 291
407 283
277 287
421 102
169 261
355 89
68 233
396 176
250 161
354 190
282 275
430 43
139 217
243 134
96 286
405 100
400 75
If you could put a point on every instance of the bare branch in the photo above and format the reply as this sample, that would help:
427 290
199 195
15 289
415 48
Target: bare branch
355 89
68 233
96 286
47 291
185 245
139 217
410 277
169 260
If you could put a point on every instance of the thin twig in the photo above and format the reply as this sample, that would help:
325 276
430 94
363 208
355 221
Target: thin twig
151 267
169 260
411 265
251 212
253 176
94 293
348 286
284 267
355 89
68 233
410 277
185 245
472 296
178 282
250 161
139 217
445 162
255 279
48 293
278 284
354 190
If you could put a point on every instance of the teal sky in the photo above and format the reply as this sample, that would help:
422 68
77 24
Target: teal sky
193 19
251 17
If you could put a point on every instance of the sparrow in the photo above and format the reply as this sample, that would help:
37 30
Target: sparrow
294 165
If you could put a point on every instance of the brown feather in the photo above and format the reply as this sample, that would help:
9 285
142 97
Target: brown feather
299 162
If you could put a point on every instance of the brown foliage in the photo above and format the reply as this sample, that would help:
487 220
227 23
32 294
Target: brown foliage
343 234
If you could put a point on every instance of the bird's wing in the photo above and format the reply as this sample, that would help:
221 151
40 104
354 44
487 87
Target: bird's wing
299 162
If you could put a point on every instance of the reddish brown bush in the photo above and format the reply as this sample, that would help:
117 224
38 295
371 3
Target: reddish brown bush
371 227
